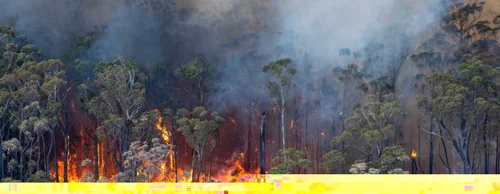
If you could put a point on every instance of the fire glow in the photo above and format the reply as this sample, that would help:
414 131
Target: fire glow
232 171
166 136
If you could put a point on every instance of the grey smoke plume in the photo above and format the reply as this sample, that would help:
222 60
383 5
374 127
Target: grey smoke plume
240 35
321 28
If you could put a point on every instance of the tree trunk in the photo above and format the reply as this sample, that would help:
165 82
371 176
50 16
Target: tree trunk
467 167
66 149
497 159
96 152
262 143
306 127
21 159
447 161
486 155
39 154
175 153
2 159
283 128
54 143
306 131
194 167
431 145
117 160
212 154
199 158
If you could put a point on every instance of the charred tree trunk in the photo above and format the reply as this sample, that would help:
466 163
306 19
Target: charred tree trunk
66 144
263 143
53 143
65 157
175 159
96 152
174 141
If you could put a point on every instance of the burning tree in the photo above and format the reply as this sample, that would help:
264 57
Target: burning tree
283 71
141 164
197 127
119 105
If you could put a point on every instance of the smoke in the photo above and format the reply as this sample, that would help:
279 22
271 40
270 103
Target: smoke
321 28
132 33
240 36
53 24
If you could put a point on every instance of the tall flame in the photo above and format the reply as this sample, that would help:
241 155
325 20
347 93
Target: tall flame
166 134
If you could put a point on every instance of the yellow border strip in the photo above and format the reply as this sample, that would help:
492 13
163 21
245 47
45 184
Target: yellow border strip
361 184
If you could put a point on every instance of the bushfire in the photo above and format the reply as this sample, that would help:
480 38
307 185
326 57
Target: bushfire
166 136
79 141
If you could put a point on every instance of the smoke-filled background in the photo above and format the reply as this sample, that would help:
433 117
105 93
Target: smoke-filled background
147 30
239 36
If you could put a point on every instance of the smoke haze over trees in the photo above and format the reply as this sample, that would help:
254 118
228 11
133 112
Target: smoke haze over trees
162 90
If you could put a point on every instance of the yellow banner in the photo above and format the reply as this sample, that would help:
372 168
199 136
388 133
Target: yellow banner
359 184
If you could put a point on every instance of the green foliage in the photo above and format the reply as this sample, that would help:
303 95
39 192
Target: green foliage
200 74
39 176
371 126
360 167
294 159
197 127
283 71
458 101
10 180
332 162
393 158
120 99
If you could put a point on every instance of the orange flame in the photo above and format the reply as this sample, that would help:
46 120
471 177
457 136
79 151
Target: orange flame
292 124
166 134
323 134
233 120
413 154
